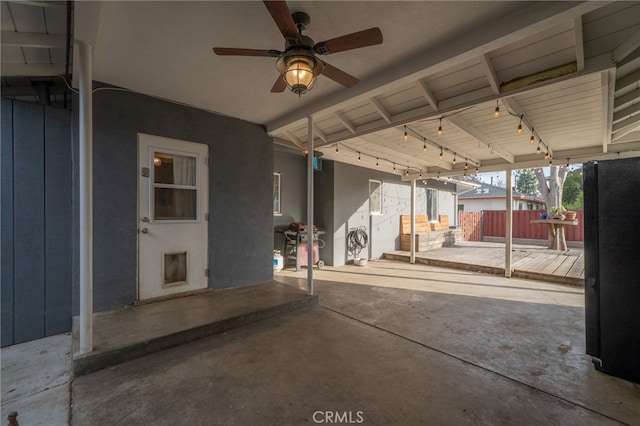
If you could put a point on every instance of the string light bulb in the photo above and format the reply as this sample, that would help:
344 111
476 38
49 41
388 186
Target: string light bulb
377 162
441 153
359 158
496 112
546 155
454 158
406 135
519 130
538 150
466 166
440 128
337 149
567 162
394 166
424 147
420 174
550 161
477 169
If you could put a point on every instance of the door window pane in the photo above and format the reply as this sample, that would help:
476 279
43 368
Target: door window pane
174 204
174 169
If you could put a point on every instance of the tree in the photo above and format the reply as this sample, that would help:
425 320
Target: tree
551 188
526 182
571 193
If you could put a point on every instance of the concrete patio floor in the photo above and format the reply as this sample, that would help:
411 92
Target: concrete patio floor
389 343
392 343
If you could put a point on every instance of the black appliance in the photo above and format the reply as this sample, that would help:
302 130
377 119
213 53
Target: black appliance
612 266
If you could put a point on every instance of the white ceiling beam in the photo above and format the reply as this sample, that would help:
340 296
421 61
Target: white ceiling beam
629 97
463 125
297 142
285 142
406 159
426 92
628 80
626 47
490 73
320 134
573 157
626 112
13 38
625 126
579 39
31 70
345 122
516 109
381 109
441 146
608 92
527 22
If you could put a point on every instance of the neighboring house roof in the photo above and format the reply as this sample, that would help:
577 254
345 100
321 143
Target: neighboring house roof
487 191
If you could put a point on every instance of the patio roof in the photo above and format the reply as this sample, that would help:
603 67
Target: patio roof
567 71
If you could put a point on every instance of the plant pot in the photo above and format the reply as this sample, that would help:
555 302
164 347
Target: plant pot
556 216
570 215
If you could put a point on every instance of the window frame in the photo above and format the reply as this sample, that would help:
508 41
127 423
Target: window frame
277 177
380 211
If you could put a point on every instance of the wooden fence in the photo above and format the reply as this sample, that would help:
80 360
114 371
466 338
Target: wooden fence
492 223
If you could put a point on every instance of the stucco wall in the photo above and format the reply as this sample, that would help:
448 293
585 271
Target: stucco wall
240 235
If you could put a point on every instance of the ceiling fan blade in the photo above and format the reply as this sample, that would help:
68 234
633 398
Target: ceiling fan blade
339 76
363 38
279 85
282 16
245 52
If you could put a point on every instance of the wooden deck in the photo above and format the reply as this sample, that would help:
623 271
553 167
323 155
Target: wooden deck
528 261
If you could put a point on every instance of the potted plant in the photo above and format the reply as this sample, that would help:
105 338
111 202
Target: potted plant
556 212
570 215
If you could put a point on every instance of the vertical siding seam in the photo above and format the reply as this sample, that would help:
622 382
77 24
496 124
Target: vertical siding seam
13 224
44 218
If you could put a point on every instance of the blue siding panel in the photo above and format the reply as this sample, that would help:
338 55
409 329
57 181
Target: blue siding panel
6 230
57 188
29 256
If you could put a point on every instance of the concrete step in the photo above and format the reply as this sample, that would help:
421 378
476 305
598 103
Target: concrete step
135 331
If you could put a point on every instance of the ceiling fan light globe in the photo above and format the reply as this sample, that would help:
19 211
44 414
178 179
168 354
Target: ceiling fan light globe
299 74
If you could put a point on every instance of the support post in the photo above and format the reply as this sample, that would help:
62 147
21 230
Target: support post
412 258
86 196
509 227
310 206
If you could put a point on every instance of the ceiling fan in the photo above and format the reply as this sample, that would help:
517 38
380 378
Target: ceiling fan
298 64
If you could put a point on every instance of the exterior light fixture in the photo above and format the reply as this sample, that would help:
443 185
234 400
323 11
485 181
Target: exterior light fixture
157 161
299 72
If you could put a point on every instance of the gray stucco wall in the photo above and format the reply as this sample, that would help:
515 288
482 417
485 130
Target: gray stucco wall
292 167
240 190
349 200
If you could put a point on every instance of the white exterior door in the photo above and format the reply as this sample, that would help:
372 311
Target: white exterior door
172 213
